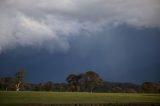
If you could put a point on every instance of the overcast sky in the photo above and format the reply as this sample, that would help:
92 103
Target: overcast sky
119 39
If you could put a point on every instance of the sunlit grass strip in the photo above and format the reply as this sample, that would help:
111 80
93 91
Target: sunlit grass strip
75 98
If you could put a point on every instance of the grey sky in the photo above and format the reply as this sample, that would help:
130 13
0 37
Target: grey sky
35 22
119 39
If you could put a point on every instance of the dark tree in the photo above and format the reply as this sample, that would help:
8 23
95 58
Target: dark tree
73 80
7 83
48 86
151 87
92 80
19 80
85 81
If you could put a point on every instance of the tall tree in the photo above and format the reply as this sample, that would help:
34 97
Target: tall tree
19 79
85 81
73 80
92 80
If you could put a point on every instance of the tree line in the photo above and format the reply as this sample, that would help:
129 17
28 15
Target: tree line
89 81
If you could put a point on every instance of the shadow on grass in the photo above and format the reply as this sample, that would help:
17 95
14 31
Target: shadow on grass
105 104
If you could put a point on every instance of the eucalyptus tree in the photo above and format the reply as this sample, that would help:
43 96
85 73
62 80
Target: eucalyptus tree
92 80
19 80
73 80
87 81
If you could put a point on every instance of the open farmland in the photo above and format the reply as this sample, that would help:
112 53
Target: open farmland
50 98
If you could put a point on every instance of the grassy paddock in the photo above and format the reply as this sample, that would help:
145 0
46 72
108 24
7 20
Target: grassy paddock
38 98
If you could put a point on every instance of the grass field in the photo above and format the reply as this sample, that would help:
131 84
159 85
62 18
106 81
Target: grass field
19 98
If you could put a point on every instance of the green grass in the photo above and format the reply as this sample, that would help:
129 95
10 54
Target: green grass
7 98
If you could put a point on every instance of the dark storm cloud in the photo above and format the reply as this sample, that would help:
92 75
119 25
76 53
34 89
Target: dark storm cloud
35 22
123 54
